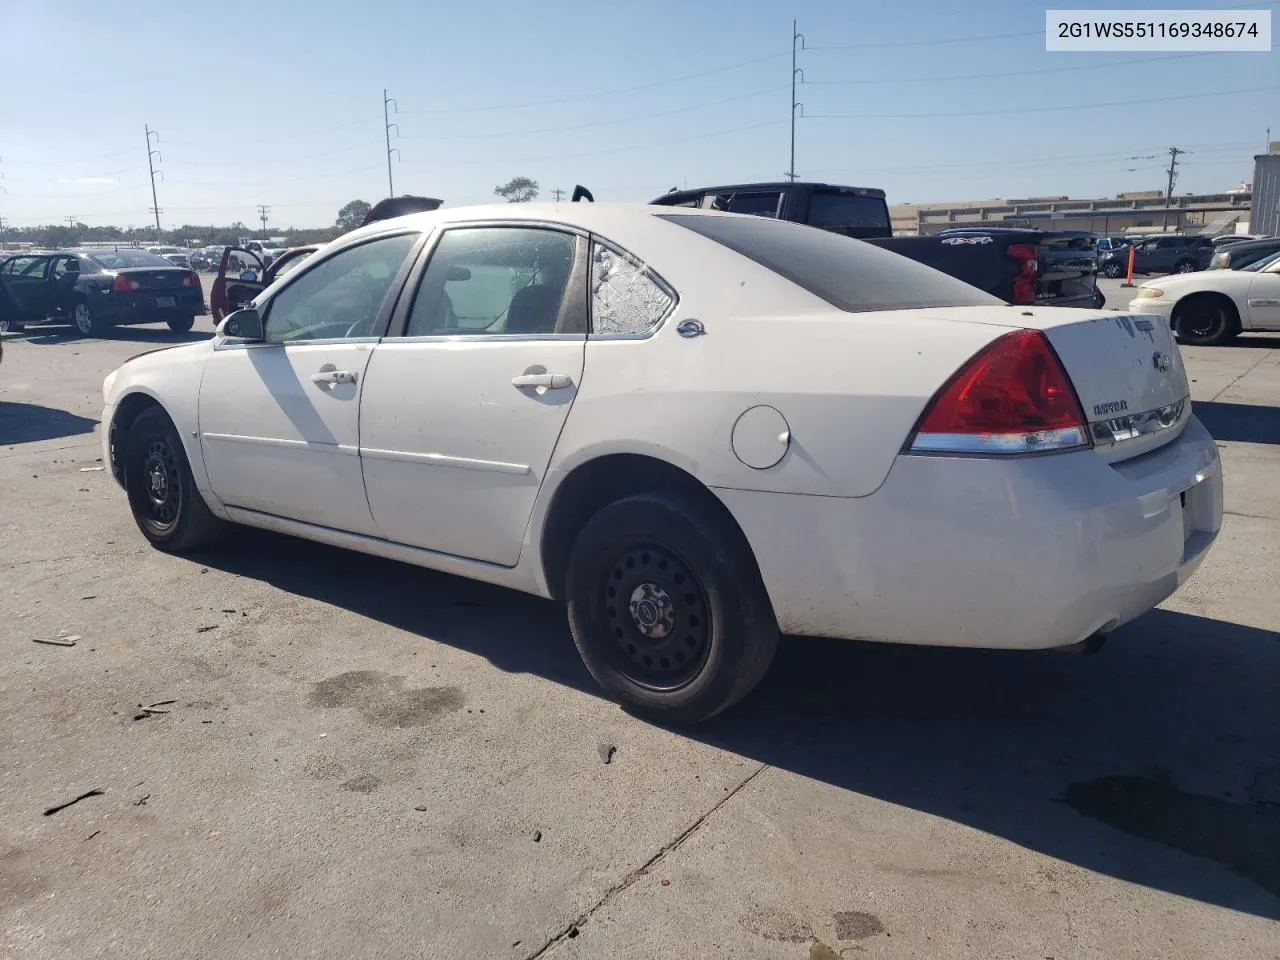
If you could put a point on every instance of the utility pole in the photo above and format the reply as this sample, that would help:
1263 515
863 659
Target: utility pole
263 210
558 194
152 153
1168 193
386 126
71 222
796 37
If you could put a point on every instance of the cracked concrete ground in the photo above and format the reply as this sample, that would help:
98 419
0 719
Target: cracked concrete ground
358 756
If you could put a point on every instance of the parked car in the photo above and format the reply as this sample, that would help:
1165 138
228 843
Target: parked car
178 260
1227 238
1112 244
697 429
1167 253
1012 264
98 289
1238 255
1212 307
243 274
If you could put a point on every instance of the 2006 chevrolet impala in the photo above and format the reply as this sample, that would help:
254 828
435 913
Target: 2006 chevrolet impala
700 430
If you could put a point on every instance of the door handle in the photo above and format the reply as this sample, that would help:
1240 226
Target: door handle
552 381
333 376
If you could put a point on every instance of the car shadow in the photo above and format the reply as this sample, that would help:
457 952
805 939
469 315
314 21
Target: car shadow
1255 341
52 335
1155 761
1241 422
30 422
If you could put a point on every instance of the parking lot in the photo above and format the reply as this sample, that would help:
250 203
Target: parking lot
295 751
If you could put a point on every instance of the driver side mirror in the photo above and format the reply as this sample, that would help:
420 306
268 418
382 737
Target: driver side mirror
242 325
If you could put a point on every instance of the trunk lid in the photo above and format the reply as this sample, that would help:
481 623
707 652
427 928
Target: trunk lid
1126 370
156 278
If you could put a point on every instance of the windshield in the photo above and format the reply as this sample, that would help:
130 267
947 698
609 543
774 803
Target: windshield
845 272
1263 264
123 259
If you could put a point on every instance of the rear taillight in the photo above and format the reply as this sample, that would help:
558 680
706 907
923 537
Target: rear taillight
1013 397
1024 282
192 279
122 284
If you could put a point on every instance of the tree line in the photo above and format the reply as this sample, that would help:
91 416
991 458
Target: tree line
60 236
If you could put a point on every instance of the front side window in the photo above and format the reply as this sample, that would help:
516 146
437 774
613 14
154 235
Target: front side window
755 204
340 297
26 266
625 297
494 281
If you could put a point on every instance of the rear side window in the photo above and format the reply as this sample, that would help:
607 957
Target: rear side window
846 273
848 213
756 204
625 297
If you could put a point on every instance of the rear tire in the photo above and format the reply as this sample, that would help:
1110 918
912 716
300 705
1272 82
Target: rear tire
166 505
1112 270
181 324
1205 321
86 322
667 607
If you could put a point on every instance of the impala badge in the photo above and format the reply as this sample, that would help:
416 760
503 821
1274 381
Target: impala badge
1160 361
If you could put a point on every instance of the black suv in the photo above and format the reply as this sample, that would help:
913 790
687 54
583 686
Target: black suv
1233 256
1167 253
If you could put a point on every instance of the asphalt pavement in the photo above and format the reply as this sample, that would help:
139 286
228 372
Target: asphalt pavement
280 749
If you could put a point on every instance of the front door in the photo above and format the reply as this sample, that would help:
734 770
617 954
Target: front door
461 413
279 420
26 284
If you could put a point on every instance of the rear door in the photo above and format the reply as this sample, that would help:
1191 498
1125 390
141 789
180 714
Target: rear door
461 412
1264 299
64 272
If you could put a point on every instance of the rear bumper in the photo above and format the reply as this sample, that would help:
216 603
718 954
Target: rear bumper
1030 553
146 307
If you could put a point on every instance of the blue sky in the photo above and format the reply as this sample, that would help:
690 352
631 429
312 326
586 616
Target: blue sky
279 103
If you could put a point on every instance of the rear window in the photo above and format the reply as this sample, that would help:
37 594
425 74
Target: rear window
848 213
846 273
123 259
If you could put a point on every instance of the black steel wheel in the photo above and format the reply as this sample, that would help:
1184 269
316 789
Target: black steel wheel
1205 320
667 606
166 505
658 613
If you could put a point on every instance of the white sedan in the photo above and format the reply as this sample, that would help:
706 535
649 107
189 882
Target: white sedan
1213 306
699 430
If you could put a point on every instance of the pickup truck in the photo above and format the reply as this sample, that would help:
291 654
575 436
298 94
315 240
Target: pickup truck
1020 266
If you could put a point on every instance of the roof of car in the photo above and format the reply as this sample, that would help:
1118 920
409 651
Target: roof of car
773 185
1256 244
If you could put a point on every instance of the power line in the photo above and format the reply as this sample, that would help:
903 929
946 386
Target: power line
929 43
994 76
600 153
1020 110
599 93
601 123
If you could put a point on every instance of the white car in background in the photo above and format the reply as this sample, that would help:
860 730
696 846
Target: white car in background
1212 307
699 430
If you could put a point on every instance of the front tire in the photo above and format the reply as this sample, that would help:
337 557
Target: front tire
667 607
181 324
1112 270
86 322
1185 266
166 505
1205 321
